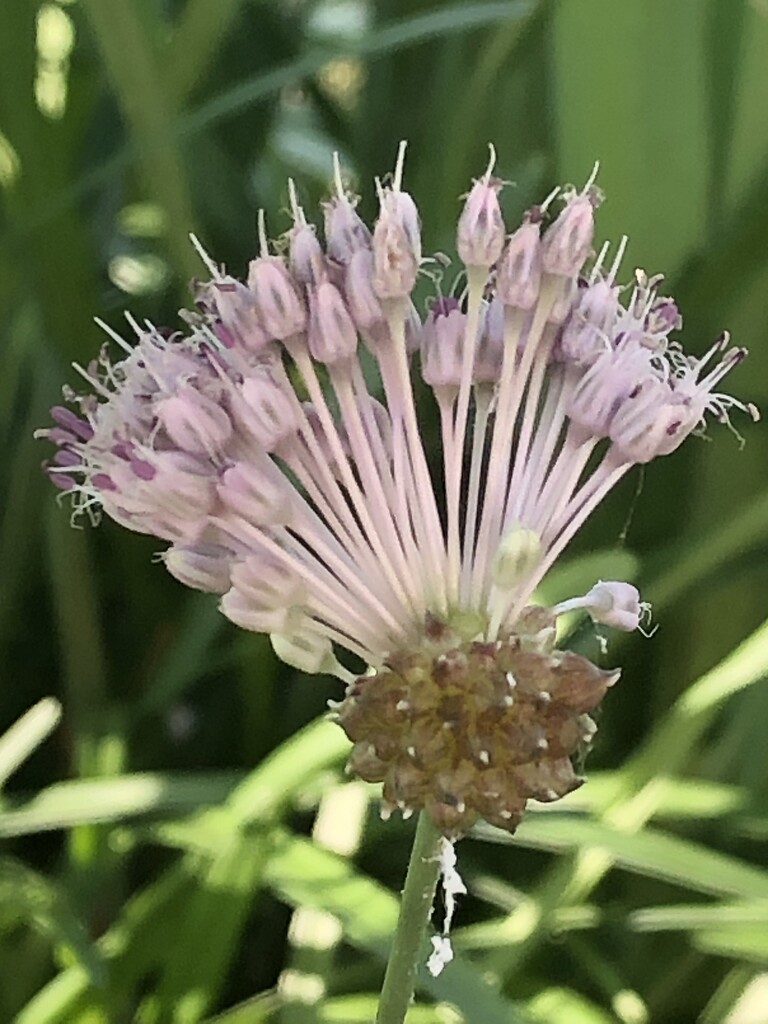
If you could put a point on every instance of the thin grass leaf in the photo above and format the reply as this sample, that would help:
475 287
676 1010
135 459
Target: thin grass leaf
128 43
26 735
124 798
689 917
44 906
650 852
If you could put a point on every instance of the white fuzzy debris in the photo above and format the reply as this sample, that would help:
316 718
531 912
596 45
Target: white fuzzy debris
442 954
453 886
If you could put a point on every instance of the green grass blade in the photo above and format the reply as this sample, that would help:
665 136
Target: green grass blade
26 735
44 905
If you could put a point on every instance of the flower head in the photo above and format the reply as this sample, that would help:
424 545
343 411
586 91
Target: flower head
311 507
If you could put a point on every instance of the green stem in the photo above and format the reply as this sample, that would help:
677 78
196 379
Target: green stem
415 908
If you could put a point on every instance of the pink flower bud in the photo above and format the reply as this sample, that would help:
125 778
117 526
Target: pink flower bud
568 241
396 246
362 301
194 422
616 375
588 332
266 596
480 233
306 256
332 337
489 353
265 412
305 649
442 344
653 422
257 492
202 567
518 278
239 325
345 232
278 303
614 603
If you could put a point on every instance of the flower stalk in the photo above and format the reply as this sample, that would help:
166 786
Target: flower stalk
415 910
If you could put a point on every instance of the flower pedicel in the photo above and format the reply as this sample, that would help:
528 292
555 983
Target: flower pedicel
252 443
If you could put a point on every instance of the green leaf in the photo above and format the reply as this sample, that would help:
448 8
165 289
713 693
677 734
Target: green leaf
689 917
122 798
747 943
44 906
650 852
26 735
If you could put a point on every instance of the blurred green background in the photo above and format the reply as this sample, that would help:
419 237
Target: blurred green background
184 845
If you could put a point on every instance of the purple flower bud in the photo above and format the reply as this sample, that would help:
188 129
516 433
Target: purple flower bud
615 376
345 232
257 492
265 596
237 322
362 301
278 302
265 412
614 603
331 337
653 422
480 233
396 246
518 278
194 422
489 354
442 344
568 241
306 256
588 332
306 649
202 567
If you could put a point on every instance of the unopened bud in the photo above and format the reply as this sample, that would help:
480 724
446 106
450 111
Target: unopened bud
202 566
396 246
442 344
278 303
568 241
332 337
518 278
193 421
517 556
265 412
480 234
305 650
345 231
306 257
362 301
257 492
616 604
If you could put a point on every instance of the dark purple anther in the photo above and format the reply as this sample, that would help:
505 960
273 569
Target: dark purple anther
122 450
65 457
59 436
70 421
444 305
103 482
60 480
142 469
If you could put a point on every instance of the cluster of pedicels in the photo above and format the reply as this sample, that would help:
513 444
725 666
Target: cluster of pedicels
292 480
